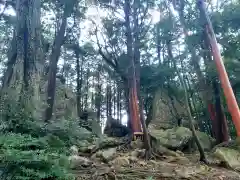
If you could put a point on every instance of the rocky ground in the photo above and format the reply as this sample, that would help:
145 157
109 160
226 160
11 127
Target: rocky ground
109 159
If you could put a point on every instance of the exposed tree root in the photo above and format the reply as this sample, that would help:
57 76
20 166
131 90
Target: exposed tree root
151 155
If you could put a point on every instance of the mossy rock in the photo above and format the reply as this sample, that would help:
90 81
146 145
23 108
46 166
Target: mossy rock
175 138
206 141
230 157
179 138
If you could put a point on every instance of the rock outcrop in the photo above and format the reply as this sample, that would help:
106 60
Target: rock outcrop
229 154
180 138
163 111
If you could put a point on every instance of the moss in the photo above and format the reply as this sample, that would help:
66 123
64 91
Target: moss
230 157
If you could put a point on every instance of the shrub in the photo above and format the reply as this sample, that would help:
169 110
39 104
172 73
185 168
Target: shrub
24 157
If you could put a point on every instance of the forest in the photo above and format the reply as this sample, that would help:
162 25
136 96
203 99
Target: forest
119 89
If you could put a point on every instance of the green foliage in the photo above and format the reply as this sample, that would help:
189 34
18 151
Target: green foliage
25 157
32 149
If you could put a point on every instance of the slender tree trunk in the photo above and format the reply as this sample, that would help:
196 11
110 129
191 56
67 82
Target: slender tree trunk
191 122
118 103
149 115
86 90
158 43
109 100
107 104
114 99
56 50
206 92
92 97
79 83
98 94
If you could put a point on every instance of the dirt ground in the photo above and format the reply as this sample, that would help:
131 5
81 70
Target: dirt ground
168 168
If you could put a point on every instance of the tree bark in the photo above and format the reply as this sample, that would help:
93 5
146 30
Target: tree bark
98 98
132 82
56 50
86 90
205 89
220 118
79 81
22 78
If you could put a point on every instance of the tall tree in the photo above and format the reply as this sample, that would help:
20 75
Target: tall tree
54 57
25 58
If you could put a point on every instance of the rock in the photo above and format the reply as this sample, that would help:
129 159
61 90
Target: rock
180 138
79 161
180 153
107 155
84 146
138 144
176 138
135 153
121 161
65 104
74 150
94 156
162 115
205 140
228 156
189 172
133 159
141 152
107 142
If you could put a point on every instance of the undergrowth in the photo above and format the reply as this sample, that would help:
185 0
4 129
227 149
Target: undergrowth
33 150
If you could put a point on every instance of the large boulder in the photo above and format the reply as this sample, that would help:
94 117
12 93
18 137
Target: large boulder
180 138
103 142
229 153
120 161
230 157
107 155
175 138
163 115
65 105
77 162
206 141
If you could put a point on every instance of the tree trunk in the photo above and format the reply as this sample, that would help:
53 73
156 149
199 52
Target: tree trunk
191 124
205 89
25 56
221 123
220 118
79 82
109 100
98 95
86 90
118 103
12 57
114 99
56 49
132 81
93 96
